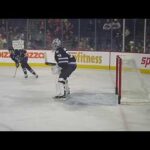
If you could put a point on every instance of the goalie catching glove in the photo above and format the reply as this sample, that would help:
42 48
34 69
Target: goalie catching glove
56 69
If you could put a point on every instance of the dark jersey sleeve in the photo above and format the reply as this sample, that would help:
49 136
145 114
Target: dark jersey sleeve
72 59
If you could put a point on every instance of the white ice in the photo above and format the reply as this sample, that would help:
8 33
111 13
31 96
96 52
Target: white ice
27 104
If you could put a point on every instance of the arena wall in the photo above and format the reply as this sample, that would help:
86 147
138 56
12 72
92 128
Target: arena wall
85 59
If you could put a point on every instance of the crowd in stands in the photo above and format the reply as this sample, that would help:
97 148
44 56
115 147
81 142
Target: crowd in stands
100 35
3 37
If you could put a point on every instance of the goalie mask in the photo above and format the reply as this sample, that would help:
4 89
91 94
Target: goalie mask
56 43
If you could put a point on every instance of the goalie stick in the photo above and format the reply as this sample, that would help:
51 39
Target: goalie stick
15 73
50 63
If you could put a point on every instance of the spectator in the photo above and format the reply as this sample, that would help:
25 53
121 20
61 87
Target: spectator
39 39
116 35
42 26
107 34
132 46
75 42
116 24
49 39
67 29
107 25
2 42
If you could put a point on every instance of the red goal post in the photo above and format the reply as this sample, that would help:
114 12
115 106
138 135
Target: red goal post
118 78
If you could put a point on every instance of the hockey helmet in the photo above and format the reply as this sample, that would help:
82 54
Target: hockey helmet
10 49
56 43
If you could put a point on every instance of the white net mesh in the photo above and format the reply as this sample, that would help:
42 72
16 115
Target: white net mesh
133 87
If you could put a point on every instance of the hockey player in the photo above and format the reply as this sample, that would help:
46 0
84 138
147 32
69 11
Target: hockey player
20 57
66 64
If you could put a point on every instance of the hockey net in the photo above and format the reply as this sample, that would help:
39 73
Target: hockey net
130 85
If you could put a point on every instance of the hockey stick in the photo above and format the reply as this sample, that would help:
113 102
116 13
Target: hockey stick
15 72
50 63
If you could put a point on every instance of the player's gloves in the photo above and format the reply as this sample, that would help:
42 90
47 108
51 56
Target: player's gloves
56 69
17 65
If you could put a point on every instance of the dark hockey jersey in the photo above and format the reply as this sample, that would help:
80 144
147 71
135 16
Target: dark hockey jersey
19 55
64 59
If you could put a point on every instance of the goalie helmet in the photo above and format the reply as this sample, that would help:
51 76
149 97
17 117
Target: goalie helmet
56 43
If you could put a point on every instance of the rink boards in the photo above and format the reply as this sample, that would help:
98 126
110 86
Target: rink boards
85 59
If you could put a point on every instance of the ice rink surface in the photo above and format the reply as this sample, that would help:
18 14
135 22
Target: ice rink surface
27 104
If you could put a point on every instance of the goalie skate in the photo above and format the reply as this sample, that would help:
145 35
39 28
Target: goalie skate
63 91
62 97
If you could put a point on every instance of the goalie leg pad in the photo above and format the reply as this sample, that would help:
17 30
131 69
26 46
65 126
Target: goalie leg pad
67 89
60 87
